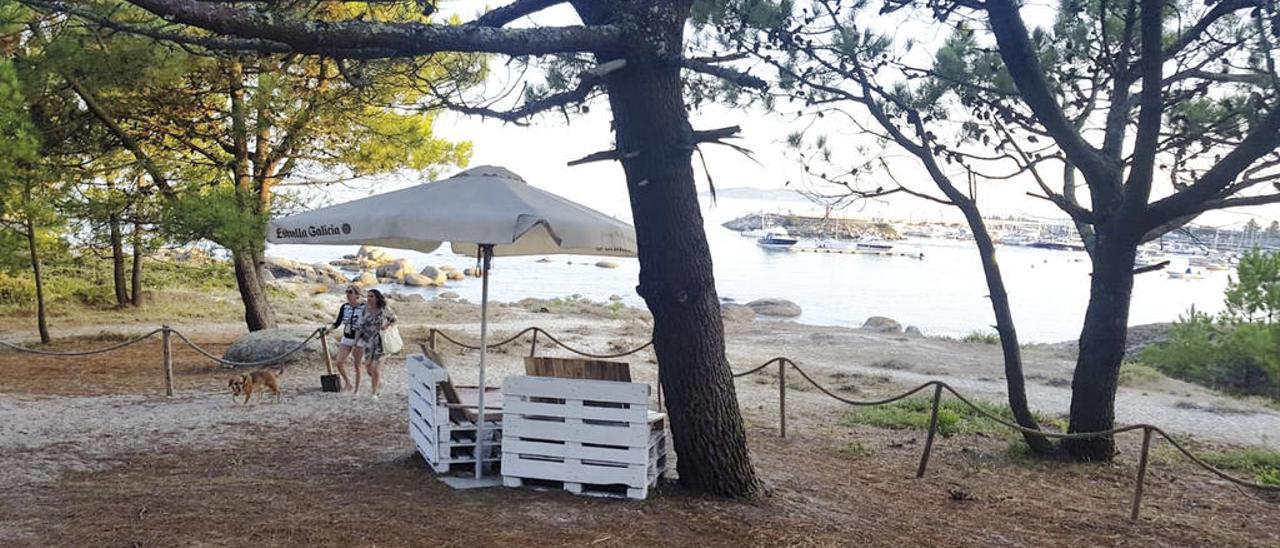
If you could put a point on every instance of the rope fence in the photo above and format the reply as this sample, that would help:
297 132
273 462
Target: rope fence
783 364
167 351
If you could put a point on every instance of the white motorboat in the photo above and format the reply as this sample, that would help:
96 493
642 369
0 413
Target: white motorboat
777 239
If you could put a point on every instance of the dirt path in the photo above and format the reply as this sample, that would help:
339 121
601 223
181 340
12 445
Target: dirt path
92 454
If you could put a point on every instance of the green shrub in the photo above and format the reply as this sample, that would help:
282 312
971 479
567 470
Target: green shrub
1138 374
984 337
954 417
16 291
1234 356
1263 464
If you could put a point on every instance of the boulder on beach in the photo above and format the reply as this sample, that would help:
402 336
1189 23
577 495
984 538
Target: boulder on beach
881 324
375 255
475 272
365 279
448 295
615 297
775 307
448 268
607 264
455 276
406 297
434 274
270 343
395 270
736 312
413 279
282 269
914 331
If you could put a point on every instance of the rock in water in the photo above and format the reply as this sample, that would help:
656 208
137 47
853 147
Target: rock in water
607 264
615 297
455 276
418 280
270 343
448 268
365 279
448 295
737 312
775 307
881 324
434 274
375 255
395 270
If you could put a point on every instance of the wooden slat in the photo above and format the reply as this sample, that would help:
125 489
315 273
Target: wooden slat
582 433
577 368
525 447
603 391
516 405
631 476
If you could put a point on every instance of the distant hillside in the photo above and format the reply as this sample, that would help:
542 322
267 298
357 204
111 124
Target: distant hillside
751 193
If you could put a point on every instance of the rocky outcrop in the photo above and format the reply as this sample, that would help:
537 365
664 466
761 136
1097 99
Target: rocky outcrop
436 275
736 312
289 270
271 343
365 279
881 324
395 270
414 279
774 307
817 227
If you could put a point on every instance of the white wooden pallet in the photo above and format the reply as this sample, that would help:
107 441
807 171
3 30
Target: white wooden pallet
586 436
442 442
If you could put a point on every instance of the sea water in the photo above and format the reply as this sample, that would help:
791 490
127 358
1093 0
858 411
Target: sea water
944 293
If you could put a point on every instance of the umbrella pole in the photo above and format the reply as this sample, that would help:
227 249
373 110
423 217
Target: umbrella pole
486 254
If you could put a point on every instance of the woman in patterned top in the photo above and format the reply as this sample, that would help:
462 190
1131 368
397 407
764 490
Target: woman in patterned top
349 319
376 319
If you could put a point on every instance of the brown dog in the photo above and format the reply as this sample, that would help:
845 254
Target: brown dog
256 380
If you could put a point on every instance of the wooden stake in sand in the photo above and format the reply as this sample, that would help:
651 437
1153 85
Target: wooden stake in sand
168 360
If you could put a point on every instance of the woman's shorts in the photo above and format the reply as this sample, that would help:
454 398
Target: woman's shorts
347 341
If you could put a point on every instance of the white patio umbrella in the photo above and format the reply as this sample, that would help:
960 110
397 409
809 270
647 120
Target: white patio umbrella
483 212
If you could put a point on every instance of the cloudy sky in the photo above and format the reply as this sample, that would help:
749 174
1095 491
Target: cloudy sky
539 152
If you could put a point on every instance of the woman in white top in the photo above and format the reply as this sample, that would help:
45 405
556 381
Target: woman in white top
349 319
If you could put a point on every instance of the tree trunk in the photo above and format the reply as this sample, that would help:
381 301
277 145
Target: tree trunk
1017 385
652 129
257 311
41 322
1102 340
117 261
135 274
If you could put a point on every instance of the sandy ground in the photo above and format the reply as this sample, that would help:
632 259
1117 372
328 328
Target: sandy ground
92 433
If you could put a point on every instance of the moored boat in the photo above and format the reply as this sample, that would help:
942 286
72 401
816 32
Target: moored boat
777 239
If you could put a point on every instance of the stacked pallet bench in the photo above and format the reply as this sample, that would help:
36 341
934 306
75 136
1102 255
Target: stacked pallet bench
587 436
444 432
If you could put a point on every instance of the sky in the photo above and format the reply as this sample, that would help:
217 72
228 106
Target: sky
539 153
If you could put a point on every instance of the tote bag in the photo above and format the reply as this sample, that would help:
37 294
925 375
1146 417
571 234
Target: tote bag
391 341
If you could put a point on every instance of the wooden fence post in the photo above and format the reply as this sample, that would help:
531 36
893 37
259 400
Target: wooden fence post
168 360
533 346
431 338
782 397
933 429
324 347
1142 473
